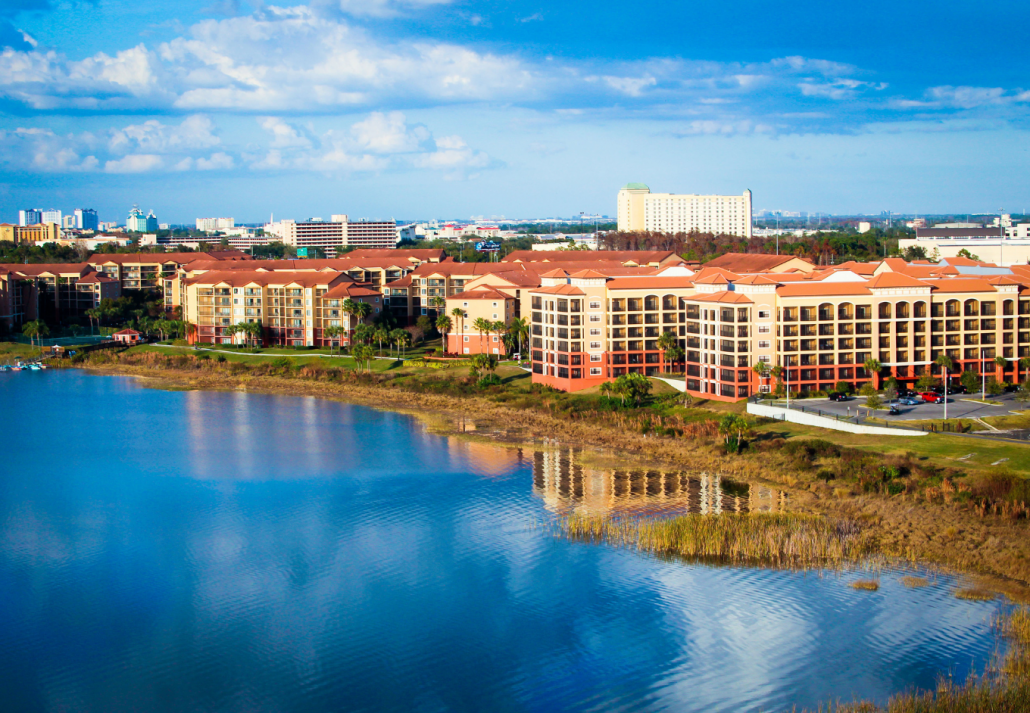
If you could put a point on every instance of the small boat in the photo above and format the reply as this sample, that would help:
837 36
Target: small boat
33 367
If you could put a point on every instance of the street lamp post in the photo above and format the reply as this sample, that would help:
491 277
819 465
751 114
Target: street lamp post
983 376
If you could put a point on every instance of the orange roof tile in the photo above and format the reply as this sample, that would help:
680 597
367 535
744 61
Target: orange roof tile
648 283
587 274
724 297
755 280
751 262
555 273
894 279
481 293
959 284
558 290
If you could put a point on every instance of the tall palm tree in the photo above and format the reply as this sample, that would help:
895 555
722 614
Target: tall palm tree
1024 362
93 314
1002 364
362 310
396 337
666 341
481 325
873 366
459 314
332 333
498 328
443 325
381 334
518 327
36 330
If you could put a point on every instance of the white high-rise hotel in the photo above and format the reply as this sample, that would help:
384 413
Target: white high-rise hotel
642 210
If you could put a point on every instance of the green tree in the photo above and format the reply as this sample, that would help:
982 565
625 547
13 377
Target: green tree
333 334
735 424
481 325
1024 364
459 315
1002 363
94 315
363 355
381 334
926 381
842 387
443 326
481 363
994 387
633 386
363 333
362 310
666 342
402 338
971 380
36 330
518 327
873 368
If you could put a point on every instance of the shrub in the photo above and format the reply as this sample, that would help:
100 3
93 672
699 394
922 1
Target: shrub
281 363
220 358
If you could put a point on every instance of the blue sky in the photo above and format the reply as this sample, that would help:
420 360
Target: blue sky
453 108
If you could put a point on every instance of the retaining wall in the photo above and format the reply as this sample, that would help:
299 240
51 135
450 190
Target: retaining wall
811 419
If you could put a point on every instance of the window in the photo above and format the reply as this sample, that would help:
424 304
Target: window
466 339
765 358
595 305
595 357
764 329
595 332
495 304
595 345
495 315
763 314
495 339
595 318
595 371
464 304
763 344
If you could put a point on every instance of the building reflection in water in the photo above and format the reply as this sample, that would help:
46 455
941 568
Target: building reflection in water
566 486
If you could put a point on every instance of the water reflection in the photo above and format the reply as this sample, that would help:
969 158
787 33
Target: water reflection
567 486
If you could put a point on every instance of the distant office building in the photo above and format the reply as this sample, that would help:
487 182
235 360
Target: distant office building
642 210
211 225
51 216
68 222
86 219
865 226
30 217
339 232
139 223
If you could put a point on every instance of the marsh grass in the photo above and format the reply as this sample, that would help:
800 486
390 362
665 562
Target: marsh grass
868 585
976 594
778 540
915 582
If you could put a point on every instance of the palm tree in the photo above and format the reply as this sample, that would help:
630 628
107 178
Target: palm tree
34 330
362 310
498 328
1002 364
443 325
666 342
873 366
93 314
481 325
459 314
363 333
381 334
332 333
607 389
519 328
403 340
1024 362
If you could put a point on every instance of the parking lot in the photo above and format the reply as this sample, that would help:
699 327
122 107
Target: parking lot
959 406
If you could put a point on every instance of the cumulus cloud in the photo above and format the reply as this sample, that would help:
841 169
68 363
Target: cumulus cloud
195 132
220 161
134 163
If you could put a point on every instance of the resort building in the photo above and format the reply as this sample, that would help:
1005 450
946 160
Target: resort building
640 210
294 308
330 236
820 325
51 292
481 305
1002 246
34 233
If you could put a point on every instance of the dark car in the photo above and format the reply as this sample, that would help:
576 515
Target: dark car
932 398
838 396
907 393
957 388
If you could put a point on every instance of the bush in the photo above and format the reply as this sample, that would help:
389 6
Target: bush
220 358
873 401
281 363
489 380
994 387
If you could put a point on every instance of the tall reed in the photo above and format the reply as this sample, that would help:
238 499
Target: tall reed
776 539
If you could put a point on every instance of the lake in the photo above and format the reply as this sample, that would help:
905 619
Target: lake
208 551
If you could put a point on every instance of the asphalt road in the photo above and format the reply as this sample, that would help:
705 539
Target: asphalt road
958 407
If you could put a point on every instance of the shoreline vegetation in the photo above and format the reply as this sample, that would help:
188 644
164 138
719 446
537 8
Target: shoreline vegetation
850 499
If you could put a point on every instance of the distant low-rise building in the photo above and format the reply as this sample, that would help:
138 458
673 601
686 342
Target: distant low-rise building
211 225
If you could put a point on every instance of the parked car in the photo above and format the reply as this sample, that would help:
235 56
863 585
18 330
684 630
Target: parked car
957 388
909 401
894 410
907 393
931 397
838 396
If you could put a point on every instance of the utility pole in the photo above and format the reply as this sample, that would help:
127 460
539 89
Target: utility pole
983 376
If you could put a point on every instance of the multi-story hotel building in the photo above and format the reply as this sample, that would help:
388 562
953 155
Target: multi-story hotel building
51 292
34 233
339 233
821 326
293 307
641 210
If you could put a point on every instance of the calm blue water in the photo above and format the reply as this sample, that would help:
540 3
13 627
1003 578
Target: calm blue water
184 551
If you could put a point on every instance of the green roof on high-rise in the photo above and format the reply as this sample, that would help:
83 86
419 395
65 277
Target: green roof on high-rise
635 187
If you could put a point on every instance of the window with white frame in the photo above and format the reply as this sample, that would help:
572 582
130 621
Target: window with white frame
763 344
595 304
595 345
595 357
765 358
595 371
466 338
464 304
764 329
763 314
595 318
595 332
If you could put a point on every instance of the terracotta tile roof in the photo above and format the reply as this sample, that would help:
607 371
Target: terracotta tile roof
821 289
649 283
961 284
558 290
126 331
35 269
164 258
350 289
706 271
1003 280
751 262
422 254
555 273
722 297
587 274
482 293
966 262
859 268
711 279
755 280
894 279
240 278
94 278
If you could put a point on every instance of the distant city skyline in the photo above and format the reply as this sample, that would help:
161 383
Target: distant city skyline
430 107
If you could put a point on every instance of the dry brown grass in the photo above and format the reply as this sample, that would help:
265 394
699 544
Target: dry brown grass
976 594
868 585
915 582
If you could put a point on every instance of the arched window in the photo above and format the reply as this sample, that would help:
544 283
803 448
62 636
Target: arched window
845 311
972 308
901 310
919 310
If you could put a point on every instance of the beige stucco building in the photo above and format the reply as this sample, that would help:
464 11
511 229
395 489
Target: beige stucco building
641 210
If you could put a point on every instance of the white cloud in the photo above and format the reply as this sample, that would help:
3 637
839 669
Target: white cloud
219 161
388 134
134 163
632 86
194 132
378 8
